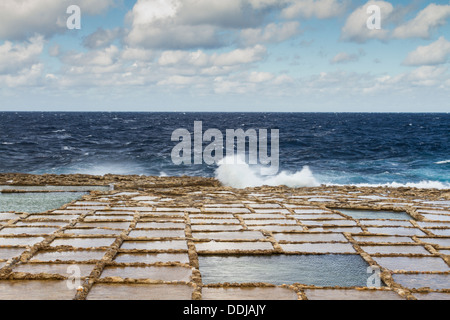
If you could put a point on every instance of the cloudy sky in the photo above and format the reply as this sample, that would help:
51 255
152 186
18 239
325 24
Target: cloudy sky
217 55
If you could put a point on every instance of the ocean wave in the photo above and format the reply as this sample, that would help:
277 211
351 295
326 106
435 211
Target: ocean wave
238 174
443 162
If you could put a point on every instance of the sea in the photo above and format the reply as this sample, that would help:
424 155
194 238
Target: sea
362 149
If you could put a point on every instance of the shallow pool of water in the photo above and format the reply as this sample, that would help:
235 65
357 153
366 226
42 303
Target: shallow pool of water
36 202
60 269
416 281
157 234
35 290
112 291
8 253
372 214
84 255
155 245
320 270
412 263
83 242
154 273
150 258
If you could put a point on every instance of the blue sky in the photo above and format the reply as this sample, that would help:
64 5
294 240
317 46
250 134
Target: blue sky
215 55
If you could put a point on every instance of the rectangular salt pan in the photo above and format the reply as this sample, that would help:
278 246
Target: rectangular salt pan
310 237
36 202
154 245
247 235
151 258
319 248
68 255
319 270
83 242
417 281
412 264
27 230
20 241
383 239
154 273
396 231
60 269
395 250
157 234
112 291
233 246
35 290
372 214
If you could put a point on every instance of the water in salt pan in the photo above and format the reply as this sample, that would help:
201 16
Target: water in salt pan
60 269
84 255
57 188
36 290
349 294
319 247
8 253
372 214
395 249
150 258
154 273
92 231
241 235
412 263
243 293
155 245
416 281
319 270
157 234
113 291
83 242
36 202
235 246
19 241
27 230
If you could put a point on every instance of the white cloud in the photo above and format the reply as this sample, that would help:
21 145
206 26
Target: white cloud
240 56
424 23
16 57
426 76
137 54
355 28
436 53
102 38
166 35
258 77
190 24
272 33
19 63
322 9
209 65
103 57
344 57
24 18
26 77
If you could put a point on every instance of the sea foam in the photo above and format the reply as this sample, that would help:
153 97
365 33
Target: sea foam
238 174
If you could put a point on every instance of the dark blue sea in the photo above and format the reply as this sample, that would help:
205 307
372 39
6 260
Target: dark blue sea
341 148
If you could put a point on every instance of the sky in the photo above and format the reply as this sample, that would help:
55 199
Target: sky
217 55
